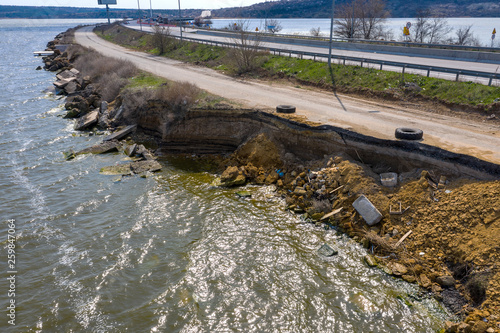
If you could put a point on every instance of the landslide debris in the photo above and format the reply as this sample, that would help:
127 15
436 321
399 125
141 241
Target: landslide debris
453 246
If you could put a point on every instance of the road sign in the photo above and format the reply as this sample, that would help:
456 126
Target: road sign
406 31
494 31
408 25
106 2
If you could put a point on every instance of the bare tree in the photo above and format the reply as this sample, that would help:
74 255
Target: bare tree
438 30
429 28
465 36
273 26
372 14
244 56
421 26
316 32
361 19
349 23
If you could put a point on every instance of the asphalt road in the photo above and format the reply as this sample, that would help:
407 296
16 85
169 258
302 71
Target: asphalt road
402 58
380 120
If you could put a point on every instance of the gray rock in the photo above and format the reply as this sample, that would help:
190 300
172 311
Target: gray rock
446 281
370 260
144 166
86 121
327 251
73 113
130 150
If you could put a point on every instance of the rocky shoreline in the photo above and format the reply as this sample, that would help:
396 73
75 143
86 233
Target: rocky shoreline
436 228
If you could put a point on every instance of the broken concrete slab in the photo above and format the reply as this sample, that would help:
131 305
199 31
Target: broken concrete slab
60 84
367 210
71 87
113 170
87 120
143 166
121 134
65 75
130 150
102 148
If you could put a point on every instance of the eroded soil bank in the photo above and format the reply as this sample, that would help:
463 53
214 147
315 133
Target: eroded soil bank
449 202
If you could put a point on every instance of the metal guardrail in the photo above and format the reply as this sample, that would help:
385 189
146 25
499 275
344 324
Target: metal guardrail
344 59
372 41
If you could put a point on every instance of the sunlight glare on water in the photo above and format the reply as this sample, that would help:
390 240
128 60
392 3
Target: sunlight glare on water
168 253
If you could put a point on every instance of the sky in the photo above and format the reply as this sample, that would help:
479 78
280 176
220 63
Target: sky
159 4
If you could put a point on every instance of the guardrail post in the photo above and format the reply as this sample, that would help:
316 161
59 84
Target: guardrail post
381 64
490 81
458 74
428 72
344 61
362 62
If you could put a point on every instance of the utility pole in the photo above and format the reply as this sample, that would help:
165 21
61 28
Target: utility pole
150 10
331 36
140 15
107 12
180 20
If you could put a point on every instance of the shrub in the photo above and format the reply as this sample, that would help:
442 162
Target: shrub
179 95
111 84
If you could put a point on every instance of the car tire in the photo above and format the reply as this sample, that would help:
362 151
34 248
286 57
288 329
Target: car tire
409 133
285 109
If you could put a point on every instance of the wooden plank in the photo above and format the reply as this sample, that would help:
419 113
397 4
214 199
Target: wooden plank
336 211
403 238
338 188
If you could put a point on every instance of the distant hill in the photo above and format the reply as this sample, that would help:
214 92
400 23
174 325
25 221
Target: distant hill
268 9
80 13
397 8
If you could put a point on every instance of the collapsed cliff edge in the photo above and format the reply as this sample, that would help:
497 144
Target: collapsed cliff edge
440 222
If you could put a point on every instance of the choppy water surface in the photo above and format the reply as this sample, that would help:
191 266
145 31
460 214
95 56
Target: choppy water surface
167 253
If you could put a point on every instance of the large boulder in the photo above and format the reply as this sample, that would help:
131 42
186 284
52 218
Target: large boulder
232 176
77 102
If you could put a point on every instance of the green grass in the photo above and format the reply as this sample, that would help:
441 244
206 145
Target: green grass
349 78
356 77
145 80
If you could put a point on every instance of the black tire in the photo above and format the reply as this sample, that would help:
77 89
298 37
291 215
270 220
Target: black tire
409 133
285 109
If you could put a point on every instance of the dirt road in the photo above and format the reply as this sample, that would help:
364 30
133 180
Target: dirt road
481 140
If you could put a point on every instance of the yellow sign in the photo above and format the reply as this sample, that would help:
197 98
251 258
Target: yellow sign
406 31
494 31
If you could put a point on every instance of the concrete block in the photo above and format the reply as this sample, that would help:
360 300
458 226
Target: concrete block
367 210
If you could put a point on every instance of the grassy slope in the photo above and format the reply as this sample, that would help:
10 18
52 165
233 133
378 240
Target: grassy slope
346 78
